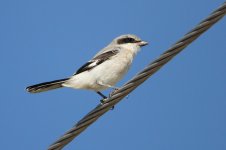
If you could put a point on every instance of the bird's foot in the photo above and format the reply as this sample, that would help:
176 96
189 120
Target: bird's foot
103 101
113 92
113 107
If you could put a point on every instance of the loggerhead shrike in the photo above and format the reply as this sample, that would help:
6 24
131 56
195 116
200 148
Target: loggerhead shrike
103 71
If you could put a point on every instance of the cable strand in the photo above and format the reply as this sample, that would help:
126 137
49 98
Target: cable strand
153 67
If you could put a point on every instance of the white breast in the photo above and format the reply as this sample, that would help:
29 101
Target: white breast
109 72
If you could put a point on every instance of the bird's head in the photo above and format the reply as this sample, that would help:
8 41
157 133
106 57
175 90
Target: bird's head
130 41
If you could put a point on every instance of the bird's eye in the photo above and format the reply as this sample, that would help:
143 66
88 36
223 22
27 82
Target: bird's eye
126 40
130 40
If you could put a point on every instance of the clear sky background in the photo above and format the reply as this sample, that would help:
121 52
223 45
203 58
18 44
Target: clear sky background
181 107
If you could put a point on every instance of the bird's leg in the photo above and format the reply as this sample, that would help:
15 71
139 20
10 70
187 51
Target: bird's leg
115 89
109 86
103 96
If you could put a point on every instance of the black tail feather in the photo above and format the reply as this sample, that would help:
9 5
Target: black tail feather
46 86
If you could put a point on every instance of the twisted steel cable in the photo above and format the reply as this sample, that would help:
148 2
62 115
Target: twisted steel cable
153 67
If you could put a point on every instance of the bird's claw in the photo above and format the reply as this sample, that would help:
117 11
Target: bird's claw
113 107
113 92
102 102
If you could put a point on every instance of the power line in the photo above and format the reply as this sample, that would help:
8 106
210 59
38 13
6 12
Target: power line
139 78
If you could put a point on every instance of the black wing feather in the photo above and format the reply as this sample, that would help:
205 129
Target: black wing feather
84 67
96 61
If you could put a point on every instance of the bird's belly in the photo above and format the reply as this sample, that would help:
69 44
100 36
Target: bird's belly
112 72
107 73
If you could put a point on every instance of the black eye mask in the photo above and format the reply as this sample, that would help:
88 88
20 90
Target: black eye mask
127 40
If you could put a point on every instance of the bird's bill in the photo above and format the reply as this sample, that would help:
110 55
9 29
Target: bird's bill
143 43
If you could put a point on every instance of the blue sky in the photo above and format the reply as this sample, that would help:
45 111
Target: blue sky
182 107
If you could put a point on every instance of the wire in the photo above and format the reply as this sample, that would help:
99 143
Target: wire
153 67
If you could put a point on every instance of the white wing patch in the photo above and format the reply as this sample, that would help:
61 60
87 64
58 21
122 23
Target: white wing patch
97 61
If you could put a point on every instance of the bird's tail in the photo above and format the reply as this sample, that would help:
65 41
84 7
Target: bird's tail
46 86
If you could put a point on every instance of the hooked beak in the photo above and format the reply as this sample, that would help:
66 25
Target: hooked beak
143 43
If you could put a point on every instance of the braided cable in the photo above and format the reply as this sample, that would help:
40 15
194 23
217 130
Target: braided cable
153 67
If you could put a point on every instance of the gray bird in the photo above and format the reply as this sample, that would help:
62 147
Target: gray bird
103 71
